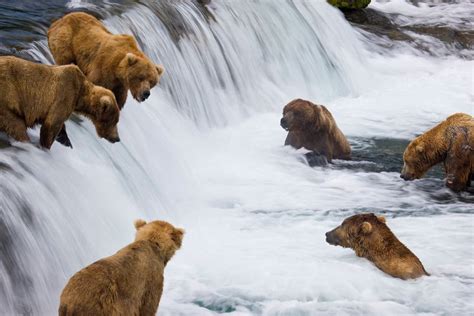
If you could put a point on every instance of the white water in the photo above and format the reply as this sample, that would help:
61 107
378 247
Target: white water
205 153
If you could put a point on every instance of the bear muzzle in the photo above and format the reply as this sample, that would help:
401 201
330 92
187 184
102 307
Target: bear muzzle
145 95
284 124
114 139
332 239
407 176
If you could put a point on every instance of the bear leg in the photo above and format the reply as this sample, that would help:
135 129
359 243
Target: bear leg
458 163
48 133
63 138
14 126
120 95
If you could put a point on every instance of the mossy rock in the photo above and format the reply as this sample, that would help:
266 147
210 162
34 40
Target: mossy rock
350 4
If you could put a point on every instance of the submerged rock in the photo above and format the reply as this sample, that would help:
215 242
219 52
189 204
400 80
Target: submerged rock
350 4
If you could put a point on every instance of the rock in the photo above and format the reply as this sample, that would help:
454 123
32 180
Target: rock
376 22
349 4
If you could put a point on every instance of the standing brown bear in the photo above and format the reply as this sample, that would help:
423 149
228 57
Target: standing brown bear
450 142
33 94
129 282
313 127
112 61
370 238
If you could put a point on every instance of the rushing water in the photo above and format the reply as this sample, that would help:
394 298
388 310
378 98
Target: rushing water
206 152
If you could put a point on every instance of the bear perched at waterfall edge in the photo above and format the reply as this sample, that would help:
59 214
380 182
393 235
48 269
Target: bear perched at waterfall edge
112 61
129 282
450 142
370 238
33 94
313 127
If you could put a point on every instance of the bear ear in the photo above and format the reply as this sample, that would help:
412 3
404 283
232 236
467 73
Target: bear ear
160 69
177 236
420 148
131 59
139 223
381 219
105 104
366 227
105 101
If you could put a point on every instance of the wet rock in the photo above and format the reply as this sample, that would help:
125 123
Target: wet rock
349 4
385 26
376 22
458 38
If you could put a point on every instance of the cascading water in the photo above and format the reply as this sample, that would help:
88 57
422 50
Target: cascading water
205 153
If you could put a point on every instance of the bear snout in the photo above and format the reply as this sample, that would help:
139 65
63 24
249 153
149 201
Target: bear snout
407 176
145 95
114 139
331 239
284 123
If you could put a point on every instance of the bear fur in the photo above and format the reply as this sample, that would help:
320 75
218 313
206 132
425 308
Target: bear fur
450 142
129 282
313 127
33 94
370 238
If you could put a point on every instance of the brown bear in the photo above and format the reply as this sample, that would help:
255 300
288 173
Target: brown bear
129 282
313 127
450 142
370 238
33 94
112 61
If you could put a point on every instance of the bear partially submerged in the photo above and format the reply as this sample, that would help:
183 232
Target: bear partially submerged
129 282
113 61
33 94
370 238
450 142
313 127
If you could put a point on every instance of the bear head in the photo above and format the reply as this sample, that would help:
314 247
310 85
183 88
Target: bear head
302 115
356 230
141 75
106 113
168 237
415 160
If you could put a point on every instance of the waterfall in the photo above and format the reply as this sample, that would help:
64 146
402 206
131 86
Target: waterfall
205 153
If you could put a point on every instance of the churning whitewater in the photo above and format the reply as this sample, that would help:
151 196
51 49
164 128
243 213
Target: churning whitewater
206 153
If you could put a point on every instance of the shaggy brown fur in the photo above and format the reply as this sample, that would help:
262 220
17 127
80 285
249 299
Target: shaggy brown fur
127 283
450 142
32 94
313 127
111 61
370 238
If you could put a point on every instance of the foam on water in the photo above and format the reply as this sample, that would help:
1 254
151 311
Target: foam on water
205 152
